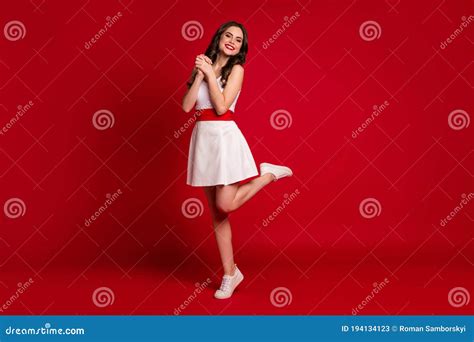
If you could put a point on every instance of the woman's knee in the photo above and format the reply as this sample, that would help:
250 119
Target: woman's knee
224 197
224 206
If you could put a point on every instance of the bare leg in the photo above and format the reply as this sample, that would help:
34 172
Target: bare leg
233 196
222 231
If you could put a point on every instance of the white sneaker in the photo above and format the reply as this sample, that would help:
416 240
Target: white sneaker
278 171
228 285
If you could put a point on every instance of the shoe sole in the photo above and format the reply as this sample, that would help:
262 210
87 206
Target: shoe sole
284 167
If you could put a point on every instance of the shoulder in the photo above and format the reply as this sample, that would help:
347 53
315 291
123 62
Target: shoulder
238 69
237 73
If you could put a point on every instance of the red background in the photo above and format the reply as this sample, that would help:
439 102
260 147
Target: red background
323 73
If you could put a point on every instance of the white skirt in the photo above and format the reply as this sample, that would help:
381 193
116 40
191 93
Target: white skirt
218 154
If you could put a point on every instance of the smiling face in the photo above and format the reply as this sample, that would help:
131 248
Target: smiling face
231 41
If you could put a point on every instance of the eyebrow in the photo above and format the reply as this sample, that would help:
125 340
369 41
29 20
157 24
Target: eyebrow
232 35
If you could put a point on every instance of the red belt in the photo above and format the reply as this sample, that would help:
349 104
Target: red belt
211 114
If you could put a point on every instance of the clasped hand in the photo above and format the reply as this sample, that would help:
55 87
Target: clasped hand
203 65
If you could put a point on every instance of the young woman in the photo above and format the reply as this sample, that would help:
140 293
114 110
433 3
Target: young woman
219 156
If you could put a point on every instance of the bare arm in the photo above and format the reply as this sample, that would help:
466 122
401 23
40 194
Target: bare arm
190 97
222 101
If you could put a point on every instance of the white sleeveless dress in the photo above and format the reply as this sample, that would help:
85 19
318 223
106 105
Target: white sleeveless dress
218 151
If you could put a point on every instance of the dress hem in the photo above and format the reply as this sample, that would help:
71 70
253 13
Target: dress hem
222 182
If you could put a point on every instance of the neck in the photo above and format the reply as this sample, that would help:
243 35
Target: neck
221 60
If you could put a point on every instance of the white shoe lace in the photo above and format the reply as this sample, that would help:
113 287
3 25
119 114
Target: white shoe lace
225 284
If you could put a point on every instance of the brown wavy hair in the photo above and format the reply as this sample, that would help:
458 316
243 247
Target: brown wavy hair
213 50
